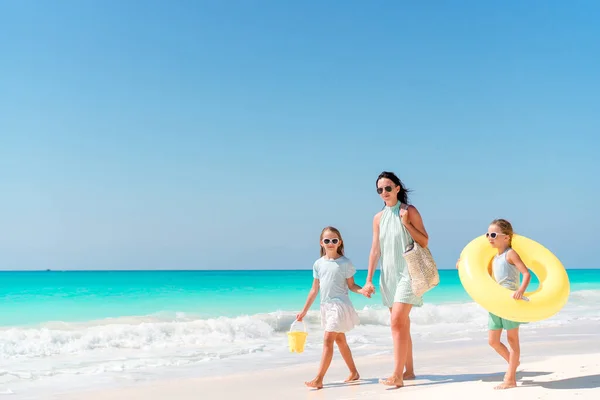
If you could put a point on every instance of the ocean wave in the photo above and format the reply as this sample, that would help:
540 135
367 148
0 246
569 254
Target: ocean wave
116 334
211 336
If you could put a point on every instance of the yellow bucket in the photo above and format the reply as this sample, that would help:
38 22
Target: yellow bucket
297 339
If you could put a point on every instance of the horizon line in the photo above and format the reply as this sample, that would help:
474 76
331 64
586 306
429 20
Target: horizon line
209 270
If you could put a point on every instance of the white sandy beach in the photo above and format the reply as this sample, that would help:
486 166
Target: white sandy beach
470 373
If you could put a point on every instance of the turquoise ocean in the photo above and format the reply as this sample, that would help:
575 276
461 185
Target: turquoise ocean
136 325
38 297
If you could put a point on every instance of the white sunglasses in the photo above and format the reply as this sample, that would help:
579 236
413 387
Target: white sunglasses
333 241
493 235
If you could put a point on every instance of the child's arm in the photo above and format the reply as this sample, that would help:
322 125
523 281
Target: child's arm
513 258
312 295
352 286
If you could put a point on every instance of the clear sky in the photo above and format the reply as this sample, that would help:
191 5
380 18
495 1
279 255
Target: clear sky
213 134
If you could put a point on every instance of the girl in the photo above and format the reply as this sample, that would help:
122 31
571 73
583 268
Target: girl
333 274
506 267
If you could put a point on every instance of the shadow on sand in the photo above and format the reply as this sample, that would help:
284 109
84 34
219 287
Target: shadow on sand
491 377
440 379
578 382
354 383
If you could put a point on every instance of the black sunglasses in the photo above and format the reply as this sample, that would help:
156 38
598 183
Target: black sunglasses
387 189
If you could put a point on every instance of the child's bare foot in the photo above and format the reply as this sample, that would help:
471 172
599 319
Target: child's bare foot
506 385
392 381
354 376
408 376
315 383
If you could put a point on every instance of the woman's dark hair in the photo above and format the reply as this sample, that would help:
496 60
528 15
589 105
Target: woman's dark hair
403 193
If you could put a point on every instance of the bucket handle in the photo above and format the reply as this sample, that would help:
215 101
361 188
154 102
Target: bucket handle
303 324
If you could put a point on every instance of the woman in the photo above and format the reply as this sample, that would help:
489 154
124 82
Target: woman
393 228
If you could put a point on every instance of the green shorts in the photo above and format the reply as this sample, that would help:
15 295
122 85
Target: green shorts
496 323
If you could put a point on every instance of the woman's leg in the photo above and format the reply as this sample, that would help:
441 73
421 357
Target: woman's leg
400 335
410 366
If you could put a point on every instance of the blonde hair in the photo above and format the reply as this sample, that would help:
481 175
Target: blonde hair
335 231
505 227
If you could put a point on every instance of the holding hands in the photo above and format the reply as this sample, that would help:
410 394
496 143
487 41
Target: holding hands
368 289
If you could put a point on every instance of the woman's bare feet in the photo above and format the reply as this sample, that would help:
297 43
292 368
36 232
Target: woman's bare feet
315 383
408 376
506 385
392 381
354 376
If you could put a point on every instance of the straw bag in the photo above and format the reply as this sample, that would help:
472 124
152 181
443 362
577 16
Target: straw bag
421 266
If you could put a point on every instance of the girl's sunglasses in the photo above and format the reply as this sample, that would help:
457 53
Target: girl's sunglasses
333 241
387 189
493 235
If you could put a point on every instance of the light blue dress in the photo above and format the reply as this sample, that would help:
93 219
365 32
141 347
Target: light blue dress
394 281
337 312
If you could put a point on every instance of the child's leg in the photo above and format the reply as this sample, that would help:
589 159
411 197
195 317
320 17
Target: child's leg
326 357
494 341
510 379
340 340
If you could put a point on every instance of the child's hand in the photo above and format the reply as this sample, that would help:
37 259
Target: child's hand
365 293
457 263
369 288
300 315
518 295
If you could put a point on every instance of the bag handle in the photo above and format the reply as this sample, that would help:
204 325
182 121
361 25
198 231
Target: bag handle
411 240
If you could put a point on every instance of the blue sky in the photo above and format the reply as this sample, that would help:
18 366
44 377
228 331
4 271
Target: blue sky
196 134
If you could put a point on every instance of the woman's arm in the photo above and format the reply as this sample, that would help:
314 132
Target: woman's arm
373 255
411 218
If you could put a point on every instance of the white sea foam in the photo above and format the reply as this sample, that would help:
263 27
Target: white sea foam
148 344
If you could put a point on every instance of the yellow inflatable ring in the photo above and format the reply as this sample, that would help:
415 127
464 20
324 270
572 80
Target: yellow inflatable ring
475 275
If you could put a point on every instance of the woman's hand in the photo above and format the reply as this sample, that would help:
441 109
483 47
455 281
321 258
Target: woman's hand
369 288
404 216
